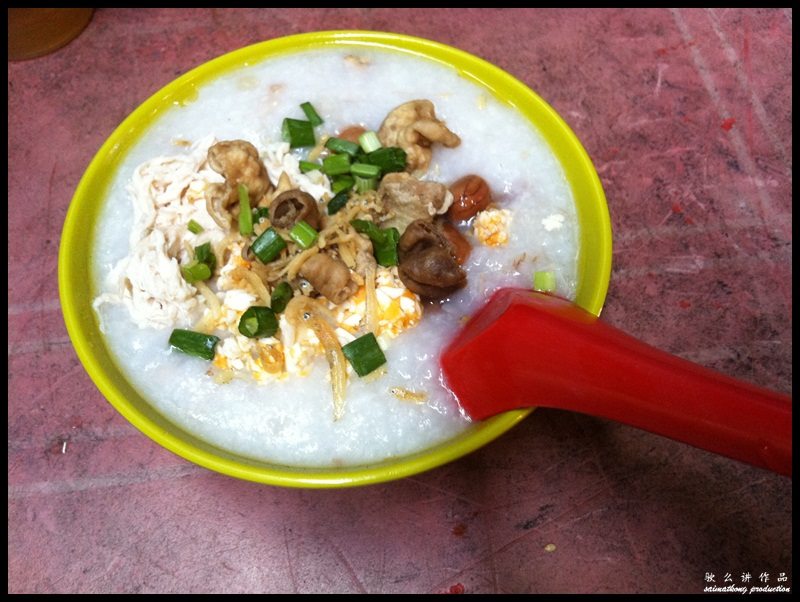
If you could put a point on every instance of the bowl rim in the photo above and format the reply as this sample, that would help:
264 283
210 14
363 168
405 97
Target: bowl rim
594 255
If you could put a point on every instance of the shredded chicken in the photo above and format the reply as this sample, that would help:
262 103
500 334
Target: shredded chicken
167 193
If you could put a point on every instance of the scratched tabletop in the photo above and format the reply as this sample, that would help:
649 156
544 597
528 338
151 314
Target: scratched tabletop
687 116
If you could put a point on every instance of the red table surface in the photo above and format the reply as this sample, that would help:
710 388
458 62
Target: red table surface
687 116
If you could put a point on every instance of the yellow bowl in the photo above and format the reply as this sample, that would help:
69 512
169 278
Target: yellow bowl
75 253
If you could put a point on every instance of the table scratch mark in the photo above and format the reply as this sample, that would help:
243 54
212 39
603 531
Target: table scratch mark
734 492
661 68
489 555
492 562
349 567
744 80
289 562
381 572
731 227
37 345
16 492
449 494
53 386
763 200
702 265
75 435
37 306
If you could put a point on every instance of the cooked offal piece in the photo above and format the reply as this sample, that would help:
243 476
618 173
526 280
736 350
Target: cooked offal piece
239 162
329 276
406 199
428 264
413 126
292 206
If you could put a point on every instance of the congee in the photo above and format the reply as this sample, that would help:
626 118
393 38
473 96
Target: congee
281 260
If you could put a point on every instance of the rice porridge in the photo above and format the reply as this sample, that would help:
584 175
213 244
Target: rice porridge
290 415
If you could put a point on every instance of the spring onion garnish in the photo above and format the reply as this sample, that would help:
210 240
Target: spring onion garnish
268 246
258 322
194 343
306 166
204 254
195 271
303 234
298 133
337 202
369 141
339 145
364 354
544 282
202 266
384 241
311 114
386 251
340 183
194 227
281 295
365 170
389 159
260 213
245 217
335 165
364 184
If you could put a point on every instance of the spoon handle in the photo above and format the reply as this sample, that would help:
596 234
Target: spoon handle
526 349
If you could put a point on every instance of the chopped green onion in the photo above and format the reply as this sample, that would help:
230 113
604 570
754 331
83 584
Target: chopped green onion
311 114
344 182
268 246
194 227
337 202
365 170
306 166
369 141
298 133
281 295
245 217
202 266
544 281
303 234
338 145
386 251
260 213
195 271
205 255
194 343
364 354
258 322
366 227
389 159
384 241
334 165
364 184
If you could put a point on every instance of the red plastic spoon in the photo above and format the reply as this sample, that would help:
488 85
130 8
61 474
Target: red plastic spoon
526 349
